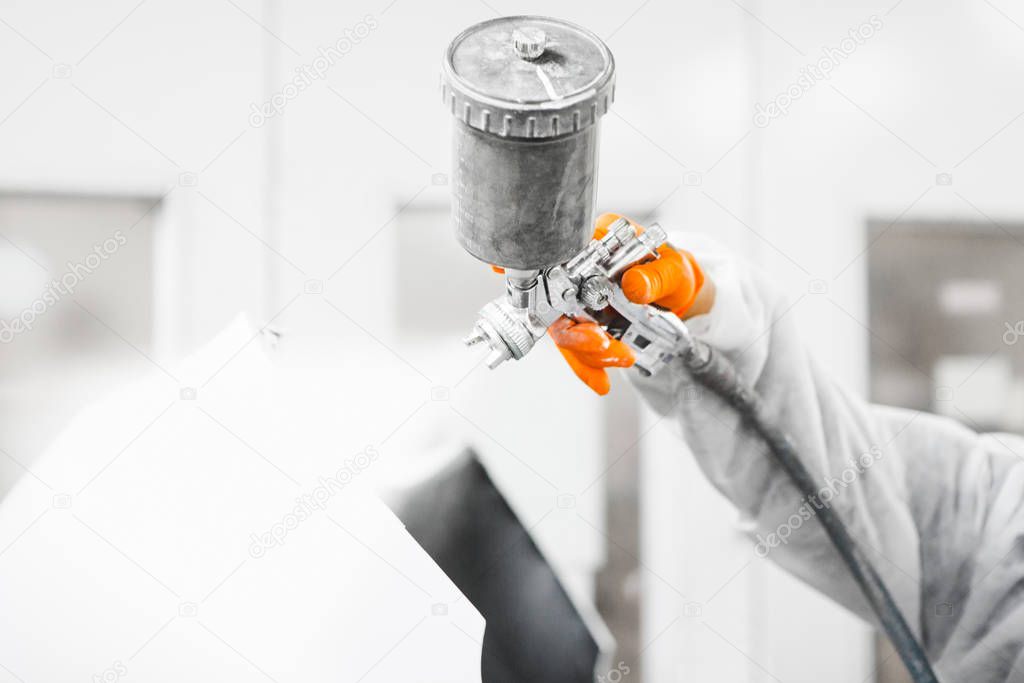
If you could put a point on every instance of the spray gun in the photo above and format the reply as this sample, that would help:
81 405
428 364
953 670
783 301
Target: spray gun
528 94
584 288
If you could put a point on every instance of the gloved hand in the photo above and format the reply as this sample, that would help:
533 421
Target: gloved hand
674 281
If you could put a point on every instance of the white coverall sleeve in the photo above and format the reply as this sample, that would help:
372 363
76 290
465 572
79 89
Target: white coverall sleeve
937 507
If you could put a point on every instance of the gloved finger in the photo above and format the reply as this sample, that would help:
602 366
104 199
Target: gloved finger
602 223
614 355
595 378
585 337
557 329
671 281
593 345
606 219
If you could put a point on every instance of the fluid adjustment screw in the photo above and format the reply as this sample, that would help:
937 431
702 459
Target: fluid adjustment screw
595 292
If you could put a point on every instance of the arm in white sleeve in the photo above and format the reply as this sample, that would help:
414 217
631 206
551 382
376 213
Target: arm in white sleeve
938 508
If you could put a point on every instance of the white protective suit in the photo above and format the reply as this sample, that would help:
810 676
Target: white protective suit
939 508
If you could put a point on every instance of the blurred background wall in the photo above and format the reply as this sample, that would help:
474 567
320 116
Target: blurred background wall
325 221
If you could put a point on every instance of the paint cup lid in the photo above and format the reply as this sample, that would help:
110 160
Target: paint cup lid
528 77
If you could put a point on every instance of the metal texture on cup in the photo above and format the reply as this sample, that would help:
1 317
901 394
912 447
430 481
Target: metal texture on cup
527 94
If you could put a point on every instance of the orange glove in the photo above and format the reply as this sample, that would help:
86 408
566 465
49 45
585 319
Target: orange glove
589 350
674 282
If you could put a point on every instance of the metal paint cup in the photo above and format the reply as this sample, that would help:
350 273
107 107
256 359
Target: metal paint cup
527 94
